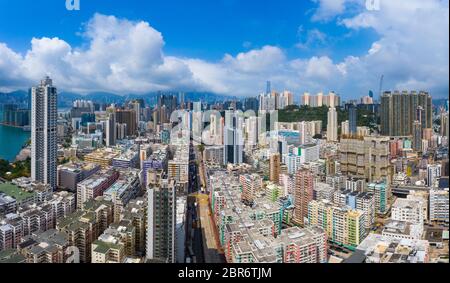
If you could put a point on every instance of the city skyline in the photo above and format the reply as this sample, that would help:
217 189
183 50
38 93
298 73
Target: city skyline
330 146
314 46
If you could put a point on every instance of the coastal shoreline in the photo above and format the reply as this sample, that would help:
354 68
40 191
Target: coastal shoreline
24 128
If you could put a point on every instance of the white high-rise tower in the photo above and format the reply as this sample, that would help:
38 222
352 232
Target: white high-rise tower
233 138
332 129
43 132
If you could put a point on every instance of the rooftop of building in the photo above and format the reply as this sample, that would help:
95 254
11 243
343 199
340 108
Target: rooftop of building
434 235
6 199
16 192
397 227
104 247
382 249
127 155
406 204
77 167
103 153
49 241
11 256
97 179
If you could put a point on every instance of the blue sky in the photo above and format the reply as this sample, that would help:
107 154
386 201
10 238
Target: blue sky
197 28
226 46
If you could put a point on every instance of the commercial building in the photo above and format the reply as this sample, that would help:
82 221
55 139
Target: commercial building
233 138
127 117
111 130
69 175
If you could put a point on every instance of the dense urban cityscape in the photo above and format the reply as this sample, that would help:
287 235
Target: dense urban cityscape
113 151
185 181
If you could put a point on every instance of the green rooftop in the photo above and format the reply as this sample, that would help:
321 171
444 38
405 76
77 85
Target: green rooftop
104 247
14 191
11 256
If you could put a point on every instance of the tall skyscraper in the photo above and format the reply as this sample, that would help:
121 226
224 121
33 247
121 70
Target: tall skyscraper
444 124
216 129
233 138
197 122
417 136
161 221
111 132
127 117
44 133
332 130
182 98
400 110
352 119
303 194
251 103
136 106
170 102
275 168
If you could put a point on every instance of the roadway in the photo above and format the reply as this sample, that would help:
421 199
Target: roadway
202 238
